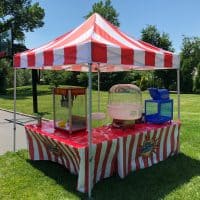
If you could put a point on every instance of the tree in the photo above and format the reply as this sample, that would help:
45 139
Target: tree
190 61
22 16
106 10
151 35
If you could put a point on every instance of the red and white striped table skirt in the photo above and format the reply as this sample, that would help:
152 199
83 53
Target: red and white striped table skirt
113 150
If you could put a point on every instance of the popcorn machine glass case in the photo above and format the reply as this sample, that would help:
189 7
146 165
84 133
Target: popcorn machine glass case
69 107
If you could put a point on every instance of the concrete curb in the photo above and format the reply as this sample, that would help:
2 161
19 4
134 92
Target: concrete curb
23 114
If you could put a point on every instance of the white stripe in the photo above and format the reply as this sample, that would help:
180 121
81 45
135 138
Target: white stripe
101 40
39 59
133 156
139 58
56 43
113 55
83 53
159 60
176 61
44 152
176 137
80 39
23 60
169 150
127 151
158 131
81 173
120 158
141 46
102 156
67 153
110 158
162 143
58 56
149 157
113 33
141 162
35 147
94 148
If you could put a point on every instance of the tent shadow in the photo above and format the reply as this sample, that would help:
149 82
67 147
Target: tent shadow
151 183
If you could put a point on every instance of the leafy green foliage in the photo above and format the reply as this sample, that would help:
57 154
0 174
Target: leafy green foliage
190 61
22 15
106 10
151 35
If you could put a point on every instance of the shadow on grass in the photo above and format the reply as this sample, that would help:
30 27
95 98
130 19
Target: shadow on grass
24 93
151 183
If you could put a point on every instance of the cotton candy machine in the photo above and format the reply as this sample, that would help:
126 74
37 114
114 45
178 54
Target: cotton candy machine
124 104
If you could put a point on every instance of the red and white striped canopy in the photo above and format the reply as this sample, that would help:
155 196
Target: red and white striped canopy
98 42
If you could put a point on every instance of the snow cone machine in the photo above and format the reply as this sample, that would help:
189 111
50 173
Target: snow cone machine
70 108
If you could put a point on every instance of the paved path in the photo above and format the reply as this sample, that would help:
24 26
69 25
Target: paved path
6 131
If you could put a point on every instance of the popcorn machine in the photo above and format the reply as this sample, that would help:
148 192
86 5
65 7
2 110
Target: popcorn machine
70 108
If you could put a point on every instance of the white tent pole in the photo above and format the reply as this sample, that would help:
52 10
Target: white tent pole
98 90
178 93
90 129
14 125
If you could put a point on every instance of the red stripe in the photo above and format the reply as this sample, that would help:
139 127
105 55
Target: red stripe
165 143
57 146
99 52
99 31
127 56
66 159
47 150
130 153
41 156
109 144
114 160
96 160
70 157
30 144
80 31
77 155
48 57
86 169
31 59
124 155
138 151
74 157
17 60
70 55
168 59
50 143
149 58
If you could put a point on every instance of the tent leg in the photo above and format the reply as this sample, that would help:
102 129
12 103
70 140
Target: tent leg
98 90
178 93
14 124
90 129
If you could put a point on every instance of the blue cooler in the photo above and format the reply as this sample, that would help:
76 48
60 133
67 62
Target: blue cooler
159 109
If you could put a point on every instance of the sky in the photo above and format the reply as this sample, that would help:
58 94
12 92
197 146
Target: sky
178 18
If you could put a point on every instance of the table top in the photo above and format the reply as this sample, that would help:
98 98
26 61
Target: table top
80 139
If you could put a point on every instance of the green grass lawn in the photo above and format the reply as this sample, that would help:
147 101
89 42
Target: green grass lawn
176 178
